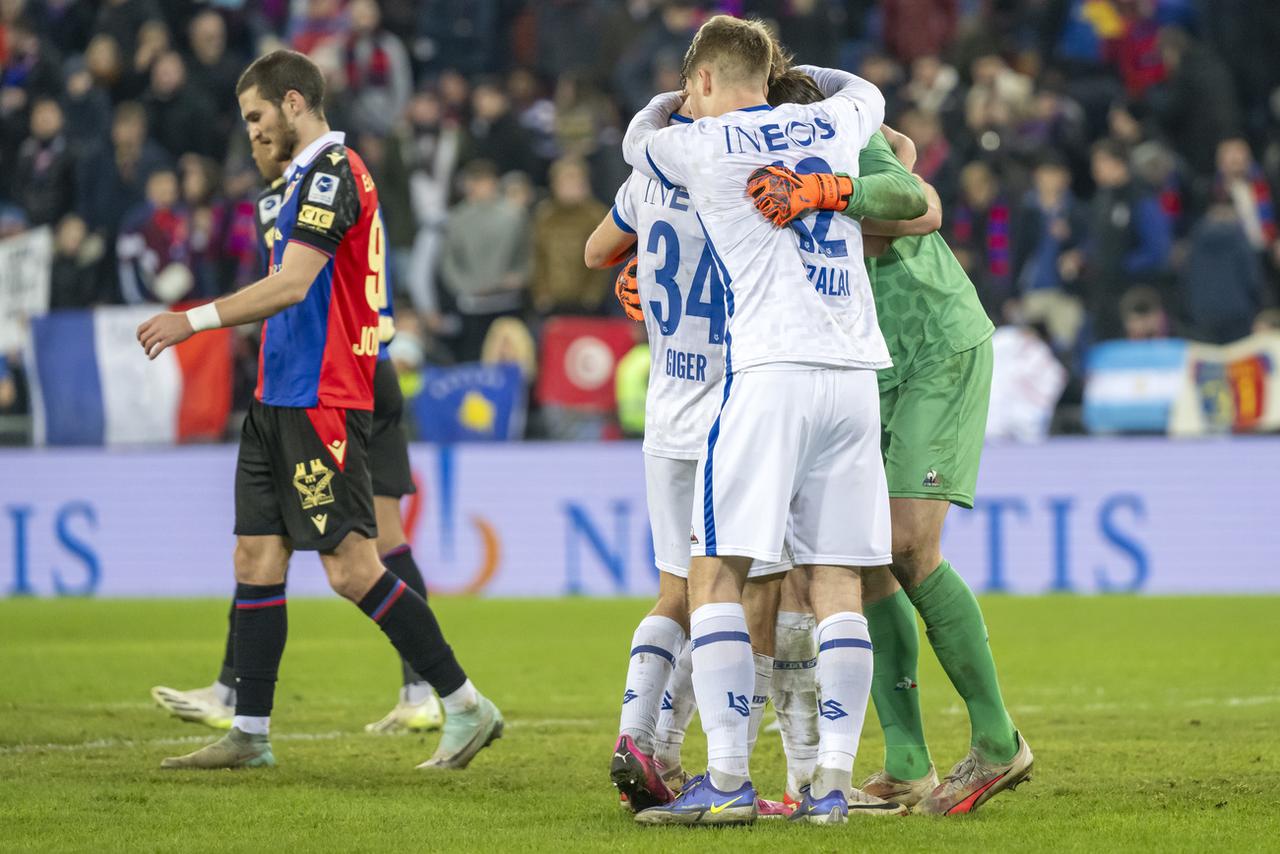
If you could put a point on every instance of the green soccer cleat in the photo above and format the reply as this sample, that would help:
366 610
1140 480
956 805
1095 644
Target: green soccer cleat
199 706
975 781
905 792
236 749
466 734
410 717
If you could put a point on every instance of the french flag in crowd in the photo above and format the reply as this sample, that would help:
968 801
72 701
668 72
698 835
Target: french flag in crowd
91 384
1130 386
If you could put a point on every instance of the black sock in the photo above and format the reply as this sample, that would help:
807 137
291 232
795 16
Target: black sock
261 628
228 674
400 562
406 619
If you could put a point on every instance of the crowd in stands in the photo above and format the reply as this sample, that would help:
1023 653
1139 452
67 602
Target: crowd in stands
1107 167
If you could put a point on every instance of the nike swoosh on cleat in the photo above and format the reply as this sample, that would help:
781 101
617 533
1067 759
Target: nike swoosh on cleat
716 809
968 803
884 806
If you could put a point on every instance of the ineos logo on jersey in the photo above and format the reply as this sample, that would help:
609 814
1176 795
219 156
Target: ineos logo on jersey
776 137
588 363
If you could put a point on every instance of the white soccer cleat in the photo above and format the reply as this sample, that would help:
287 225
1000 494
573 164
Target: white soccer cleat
199 706
426 716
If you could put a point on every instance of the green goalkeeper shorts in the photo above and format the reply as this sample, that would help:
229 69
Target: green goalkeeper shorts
932 425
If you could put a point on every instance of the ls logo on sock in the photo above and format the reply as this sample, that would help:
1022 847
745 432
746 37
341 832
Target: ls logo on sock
666 701
738 702
833 711
628 695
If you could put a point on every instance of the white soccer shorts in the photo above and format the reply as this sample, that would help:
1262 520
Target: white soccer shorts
668 485
793 463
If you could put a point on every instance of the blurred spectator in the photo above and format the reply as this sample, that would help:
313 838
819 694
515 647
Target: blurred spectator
67 24
74 277
178 115
1142 314
561 226
933 87
980 236
211 70
1222 280
998 98
322 22
378 75
1135 51
663 42
536 112
1050 222
1199 109
429 145
485 257
1241 184
495 133
153 43
27 71
915 28
935 159
508 340
455 96
1129 238
1157 167
153 239
123 21
103 60
44 181
811 30
207 215
88 109
111 181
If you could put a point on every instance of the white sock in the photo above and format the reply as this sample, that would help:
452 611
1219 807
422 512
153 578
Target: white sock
461 700
415 692
252 724
764 678
226 694
723 678
844 685
795 696
654 646
678 706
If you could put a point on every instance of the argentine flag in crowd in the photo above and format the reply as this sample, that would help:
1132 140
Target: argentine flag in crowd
91 384
1130 386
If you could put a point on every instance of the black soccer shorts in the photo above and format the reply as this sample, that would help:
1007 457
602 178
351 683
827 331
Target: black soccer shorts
303 474
388 446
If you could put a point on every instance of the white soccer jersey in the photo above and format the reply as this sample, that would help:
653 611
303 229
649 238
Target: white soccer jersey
682 294
793 295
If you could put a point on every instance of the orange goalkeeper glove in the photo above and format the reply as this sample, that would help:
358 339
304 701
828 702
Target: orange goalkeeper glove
627 291
783 195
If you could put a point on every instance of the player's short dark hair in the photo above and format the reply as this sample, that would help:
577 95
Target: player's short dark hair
793 87
741 51
280 72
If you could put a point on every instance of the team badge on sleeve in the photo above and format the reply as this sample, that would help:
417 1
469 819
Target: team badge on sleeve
323 189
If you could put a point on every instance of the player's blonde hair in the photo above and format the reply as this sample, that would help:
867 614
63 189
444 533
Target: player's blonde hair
740 51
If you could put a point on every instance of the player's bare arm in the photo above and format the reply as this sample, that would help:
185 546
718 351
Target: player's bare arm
288 286
608 245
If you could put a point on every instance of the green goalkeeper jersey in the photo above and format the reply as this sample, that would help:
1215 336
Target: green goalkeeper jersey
927 307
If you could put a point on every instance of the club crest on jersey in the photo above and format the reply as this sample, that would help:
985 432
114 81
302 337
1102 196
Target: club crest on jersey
323 189
314 482
931 478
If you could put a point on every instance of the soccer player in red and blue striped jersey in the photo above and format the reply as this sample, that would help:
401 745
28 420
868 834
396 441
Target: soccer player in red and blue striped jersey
302 479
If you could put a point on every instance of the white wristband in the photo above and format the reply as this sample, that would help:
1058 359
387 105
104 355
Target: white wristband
204 317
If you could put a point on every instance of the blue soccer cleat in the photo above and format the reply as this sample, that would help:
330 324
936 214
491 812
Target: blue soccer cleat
700 802
835 808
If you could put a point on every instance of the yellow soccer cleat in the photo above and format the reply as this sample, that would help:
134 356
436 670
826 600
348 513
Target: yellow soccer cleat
426 716
199 706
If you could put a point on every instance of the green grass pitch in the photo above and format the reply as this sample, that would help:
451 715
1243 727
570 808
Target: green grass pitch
1155 723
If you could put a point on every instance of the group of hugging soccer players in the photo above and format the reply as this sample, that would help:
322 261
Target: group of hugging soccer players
818 393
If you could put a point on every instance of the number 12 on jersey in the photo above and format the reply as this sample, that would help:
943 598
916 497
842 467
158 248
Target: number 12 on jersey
665 243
